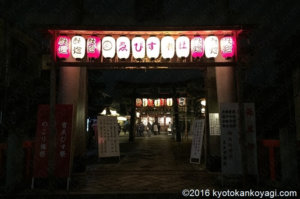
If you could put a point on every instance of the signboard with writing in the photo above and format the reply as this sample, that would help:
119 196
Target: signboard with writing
63 115
108 136
41 142
63 140
197 130
250 129
230 145
214 124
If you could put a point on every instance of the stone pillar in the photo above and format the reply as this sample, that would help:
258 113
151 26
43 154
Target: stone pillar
212 107
226 89
296 82
73 90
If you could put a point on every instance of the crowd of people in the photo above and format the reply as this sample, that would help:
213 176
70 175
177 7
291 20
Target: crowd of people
149 129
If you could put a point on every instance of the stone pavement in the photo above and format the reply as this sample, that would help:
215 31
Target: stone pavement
155 164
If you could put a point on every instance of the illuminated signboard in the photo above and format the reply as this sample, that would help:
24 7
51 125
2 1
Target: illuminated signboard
63 47
197 47
227 47
138 47
108 47
182 47
153 47
78 47
211 45
123 47
93 46
145 49
167 47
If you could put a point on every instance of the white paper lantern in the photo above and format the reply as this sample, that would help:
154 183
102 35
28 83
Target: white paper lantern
138 47
123 47
153 46
167 47
145 102
182 46
78 47
108 47
197 47
211 45
169 102
227 46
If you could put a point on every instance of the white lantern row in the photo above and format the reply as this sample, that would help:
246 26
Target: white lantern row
198 46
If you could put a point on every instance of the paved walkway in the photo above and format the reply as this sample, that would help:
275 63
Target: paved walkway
155 164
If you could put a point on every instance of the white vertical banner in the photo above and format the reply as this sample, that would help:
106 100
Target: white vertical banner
230 145
214 124
197 130
108 136
250 130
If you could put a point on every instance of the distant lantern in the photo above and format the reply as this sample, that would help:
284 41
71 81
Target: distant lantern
138 102
169 102
145 102
153 46
162 102
181 101
182 47
211 45
123 47
78 47
108 47
227 47
197 47
138 47
93 46
150 102
167 47
63 46
157 102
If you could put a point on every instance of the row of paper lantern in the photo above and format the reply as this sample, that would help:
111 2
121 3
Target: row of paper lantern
159 102
93 45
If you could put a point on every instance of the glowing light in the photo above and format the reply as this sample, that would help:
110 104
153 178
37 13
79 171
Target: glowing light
78 47
169 102
157 102
138 47
182 46
203 102
202 110
167 47
211 45
162 102
227 47
138 102
145 101
153 46
138 114
121 118
62 46
150 102
181 101
123 47
108 47
197 47
93 46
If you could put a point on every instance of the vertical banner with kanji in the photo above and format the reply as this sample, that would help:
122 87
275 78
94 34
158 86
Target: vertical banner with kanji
63 115
64 124
250 130
230 145
214 124
197 132
41 142
108 136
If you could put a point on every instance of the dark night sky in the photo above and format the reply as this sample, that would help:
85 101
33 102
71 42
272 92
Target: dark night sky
275 22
